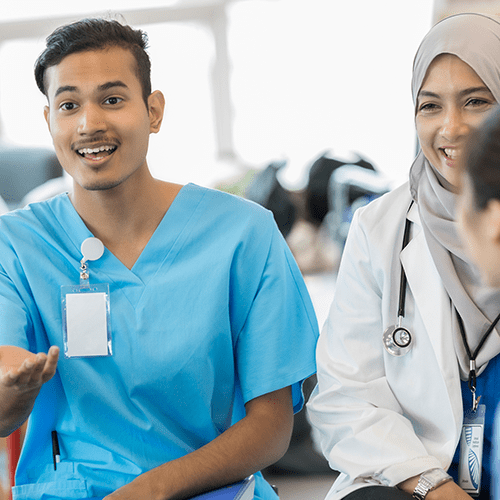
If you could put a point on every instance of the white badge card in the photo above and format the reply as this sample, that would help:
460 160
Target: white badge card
86 321
471 451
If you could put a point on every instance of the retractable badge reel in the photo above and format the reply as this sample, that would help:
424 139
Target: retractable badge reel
85 310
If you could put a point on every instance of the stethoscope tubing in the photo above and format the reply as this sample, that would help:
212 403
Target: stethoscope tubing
393 334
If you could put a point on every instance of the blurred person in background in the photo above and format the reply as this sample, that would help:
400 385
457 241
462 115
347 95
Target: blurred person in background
478 218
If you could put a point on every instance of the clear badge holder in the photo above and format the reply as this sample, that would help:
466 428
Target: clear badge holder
471 451
85 310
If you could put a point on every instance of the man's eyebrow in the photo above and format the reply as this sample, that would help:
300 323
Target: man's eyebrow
100 88
65 88
110 85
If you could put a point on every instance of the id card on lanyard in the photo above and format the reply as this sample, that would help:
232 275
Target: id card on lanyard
471 451
472 438
85 311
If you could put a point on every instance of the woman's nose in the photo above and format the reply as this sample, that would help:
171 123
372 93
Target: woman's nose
454 125
91 120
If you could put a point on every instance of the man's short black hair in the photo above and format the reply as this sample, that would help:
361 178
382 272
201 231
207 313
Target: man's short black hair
95 34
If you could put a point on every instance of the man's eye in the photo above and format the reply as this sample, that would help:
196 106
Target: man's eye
113 100
68 106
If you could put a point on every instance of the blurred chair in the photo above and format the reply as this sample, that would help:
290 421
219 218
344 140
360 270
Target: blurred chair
22 169
13 452
345 181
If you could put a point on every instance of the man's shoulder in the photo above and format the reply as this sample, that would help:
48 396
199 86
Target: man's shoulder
231 205
35 216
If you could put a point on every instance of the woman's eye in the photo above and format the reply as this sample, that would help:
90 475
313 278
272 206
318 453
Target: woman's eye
476 102
429 106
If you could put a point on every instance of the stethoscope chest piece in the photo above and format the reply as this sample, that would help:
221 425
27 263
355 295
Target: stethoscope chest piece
397 340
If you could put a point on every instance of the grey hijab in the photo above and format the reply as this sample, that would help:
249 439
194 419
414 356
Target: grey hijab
475 39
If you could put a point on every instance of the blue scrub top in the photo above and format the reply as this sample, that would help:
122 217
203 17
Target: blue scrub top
213 314
488 388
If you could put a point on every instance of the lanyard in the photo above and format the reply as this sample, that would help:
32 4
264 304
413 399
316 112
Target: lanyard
473 355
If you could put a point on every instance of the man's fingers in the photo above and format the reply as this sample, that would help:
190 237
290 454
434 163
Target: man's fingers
51 364
33 371
25 371
9 379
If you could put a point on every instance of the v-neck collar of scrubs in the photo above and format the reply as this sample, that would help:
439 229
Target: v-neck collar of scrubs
161 248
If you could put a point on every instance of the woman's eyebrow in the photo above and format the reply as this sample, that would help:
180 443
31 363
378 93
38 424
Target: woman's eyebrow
464 92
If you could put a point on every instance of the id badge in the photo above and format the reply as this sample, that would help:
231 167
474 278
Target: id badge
85 310
86 329
471 451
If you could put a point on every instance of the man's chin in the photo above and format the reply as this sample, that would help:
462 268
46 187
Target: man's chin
100 186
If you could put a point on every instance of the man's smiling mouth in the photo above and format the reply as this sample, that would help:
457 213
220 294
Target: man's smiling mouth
97 152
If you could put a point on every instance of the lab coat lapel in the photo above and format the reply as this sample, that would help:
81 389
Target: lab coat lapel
432 303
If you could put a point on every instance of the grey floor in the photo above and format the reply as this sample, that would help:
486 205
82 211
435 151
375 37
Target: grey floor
302 487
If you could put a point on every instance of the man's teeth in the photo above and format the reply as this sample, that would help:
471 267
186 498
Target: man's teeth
450 153
88 151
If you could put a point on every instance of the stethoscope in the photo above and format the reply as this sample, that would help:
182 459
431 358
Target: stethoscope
398 340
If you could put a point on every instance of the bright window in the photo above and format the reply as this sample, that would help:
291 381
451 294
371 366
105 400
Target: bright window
306 76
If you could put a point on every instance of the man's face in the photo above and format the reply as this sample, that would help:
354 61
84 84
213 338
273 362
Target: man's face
98 119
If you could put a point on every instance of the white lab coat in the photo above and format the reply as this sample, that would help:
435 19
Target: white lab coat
3 206
381 418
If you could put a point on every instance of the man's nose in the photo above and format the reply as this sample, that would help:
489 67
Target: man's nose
91 120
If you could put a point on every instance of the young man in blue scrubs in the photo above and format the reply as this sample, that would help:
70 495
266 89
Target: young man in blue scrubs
209 330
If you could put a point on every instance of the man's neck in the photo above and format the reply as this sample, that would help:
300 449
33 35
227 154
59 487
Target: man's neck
124 218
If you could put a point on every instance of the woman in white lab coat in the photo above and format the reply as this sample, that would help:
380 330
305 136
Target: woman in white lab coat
390 408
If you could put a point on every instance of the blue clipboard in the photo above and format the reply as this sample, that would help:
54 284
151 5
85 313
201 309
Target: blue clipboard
242 490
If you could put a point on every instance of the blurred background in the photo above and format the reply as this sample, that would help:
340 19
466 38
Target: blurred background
301 105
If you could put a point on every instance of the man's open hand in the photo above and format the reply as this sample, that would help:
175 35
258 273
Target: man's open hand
24 371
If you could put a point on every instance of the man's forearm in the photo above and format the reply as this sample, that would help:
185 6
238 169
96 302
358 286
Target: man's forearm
256 441
15 408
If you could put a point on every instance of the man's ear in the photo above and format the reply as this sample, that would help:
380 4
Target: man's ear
156 106
46 114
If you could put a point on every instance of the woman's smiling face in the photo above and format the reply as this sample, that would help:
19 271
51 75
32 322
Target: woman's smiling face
452 102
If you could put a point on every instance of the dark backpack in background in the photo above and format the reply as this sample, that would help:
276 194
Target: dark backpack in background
267 191
317 203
